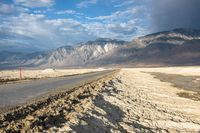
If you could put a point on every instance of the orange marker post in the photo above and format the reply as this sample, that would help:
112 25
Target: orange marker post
20 73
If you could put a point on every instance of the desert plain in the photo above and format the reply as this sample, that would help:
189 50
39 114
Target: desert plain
163 99
27 74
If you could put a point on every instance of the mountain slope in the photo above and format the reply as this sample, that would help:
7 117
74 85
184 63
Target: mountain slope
177 47
78 56
176 36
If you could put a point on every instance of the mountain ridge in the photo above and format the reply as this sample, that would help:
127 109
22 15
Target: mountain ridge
176 47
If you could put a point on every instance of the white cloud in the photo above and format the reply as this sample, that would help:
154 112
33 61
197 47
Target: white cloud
11 8
34 3
5 8
66 12
121 24
86 3
44 11
125 3
132 13
39 31
62 22
29 29
119 30
40 11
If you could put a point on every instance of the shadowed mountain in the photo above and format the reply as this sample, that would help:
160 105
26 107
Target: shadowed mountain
177 47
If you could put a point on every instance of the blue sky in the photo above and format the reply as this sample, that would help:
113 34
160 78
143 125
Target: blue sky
47 24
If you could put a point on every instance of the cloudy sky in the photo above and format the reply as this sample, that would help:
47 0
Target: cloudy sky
48 24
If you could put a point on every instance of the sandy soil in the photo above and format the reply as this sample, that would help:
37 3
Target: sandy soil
131 101
32 74
186 71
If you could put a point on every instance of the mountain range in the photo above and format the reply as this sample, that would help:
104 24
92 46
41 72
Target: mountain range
176 47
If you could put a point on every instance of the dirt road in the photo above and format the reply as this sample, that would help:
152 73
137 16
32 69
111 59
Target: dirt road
15 94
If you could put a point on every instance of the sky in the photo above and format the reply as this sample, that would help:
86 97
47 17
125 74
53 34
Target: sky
47 24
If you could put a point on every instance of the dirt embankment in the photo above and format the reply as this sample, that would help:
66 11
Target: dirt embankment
52 112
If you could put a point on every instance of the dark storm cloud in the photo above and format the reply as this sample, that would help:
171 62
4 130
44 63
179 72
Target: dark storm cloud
170 14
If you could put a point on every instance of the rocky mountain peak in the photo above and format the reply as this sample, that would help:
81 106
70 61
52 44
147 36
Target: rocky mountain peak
104 41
